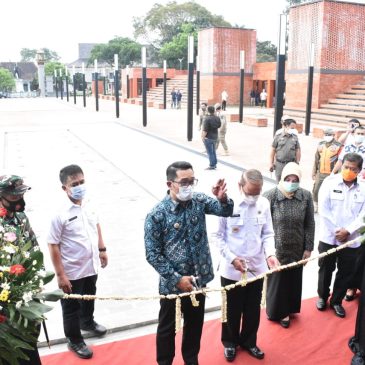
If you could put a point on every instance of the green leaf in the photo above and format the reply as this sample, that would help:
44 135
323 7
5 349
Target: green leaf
34 311
52 296
48 277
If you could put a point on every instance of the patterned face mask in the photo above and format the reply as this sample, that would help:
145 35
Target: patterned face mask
185 193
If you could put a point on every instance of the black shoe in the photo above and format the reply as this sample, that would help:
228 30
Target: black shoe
255 352
339 310
354 344
80 349
358 359
321 304
285 323
230 353
95 328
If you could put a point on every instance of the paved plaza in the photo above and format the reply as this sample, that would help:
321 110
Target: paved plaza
124 165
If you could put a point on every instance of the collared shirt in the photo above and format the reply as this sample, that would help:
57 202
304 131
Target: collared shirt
74 228
211 125
176 239
353 148
285 146
340 206
248 234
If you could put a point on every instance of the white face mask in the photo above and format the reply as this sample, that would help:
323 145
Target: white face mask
185 193
293 131
250 199
359 138
78 192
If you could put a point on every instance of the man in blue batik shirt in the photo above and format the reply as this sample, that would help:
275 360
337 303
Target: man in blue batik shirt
177 247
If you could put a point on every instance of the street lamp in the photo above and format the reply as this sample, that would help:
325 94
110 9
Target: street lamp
116 84
41 77
144 85
242 83
280 74
190 86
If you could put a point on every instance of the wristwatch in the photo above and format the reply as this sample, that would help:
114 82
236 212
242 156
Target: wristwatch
102 249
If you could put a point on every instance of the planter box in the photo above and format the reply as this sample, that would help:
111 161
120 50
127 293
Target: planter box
256 122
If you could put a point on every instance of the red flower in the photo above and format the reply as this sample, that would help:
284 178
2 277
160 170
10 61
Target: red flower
17 269
3 212
2 318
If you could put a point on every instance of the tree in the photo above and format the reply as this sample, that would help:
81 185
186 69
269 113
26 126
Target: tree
128 51
49 67
166 21
177 48
7 82
265 51
29 55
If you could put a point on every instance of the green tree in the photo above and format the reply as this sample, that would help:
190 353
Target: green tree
178 47
166 21
127 49
49 67
265 52
7 82
29 55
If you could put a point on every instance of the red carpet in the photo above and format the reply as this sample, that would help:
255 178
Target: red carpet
315 338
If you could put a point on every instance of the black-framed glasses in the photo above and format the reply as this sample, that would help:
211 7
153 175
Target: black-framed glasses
185 183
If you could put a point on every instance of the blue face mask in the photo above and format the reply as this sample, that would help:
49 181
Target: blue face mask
78 192
290 187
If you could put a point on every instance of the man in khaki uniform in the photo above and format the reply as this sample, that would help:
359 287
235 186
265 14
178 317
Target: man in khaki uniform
285 148
324 161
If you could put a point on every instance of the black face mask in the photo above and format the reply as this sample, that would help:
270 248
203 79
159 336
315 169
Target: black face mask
15 206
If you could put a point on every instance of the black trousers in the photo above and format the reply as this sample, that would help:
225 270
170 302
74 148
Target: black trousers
192 330
78 313
243 314
360 319
224 104
345 260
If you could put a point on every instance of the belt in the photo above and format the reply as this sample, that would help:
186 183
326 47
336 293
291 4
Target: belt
284 161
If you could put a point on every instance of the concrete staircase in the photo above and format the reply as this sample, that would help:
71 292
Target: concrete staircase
179 82
337 112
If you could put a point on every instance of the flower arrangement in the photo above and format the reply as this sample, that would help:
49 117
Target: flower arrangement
22 277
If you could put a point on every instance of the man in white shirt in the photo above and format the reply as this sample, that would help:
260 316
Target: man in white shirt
246 244
76 247
224 99
355 143
263 98
341 207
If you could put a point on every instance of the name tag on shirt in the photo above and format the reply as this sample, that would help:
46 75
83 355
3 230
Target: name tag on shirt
337 195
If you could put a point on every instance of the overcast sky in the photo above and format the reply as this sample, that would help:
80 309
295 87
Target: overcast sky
61 25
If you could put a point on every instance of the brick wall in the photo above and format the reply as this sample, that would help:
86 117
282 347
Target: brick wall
337 31
219 59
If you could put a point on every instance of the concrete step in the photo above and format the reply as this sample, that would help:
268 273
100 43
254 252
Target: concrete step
347 102
343 107
350 96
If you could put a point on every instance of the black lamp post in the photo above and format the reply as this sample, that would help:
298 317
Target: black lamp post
308 110
56 82
66 79
116 85
61 83
190 86
280 75
83 85
197 85
144 85
74 82
96 79
242 83
164 83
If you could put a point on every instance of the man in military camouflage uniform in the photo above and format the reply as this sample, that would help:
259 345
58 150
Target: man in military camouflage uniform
12 191
285 148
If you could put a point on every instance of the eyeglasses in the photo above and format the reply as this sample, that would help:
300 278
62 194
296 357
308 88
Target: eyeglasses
186 183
